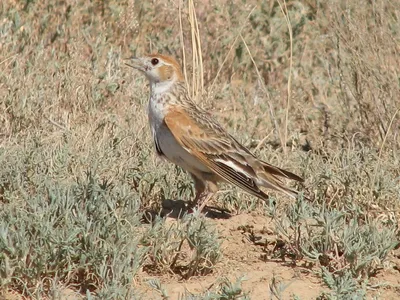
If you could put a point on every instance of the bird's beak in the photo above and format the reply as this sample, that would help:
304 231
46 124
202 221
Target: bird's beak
135 62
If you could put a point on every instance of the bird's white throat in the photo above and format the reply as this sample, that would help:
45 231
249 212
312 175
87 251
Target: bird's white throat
158 88
157 108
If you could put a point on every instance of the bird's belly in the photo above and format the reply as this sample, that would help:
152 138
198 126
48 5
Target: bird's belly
174 152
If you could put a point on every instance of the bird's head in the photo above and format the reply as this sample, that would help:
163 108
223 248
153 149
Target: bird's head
157 68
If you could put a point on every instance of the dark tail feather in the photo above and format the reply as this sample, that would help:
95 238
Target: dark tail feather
280 172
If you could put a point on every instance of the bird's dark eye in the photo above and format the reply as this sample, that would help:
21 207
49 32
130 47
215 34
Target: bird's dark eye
154 61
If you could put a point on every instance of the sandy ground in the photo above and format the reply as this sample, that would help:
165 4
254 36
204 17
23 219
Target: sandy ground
243 258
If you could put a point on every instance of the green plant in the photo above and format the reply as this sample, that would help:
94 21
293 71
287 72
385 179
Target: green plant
188 247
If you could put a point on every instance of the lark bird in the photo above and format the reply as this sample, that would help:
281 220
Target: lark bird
189 137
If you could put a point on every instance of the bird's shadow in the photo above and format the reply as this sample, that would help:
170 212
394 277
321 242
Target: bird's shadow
177 209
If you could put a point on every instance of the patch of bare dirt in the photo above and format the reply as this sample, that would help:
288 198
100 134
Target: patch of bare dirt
245 257
242 258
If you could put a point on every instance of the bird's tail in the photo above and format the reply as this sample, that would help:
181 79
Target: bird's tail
279 172
270 177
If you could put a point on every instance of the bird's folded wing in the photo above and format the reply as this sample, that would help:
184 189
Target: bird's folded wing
219 139
209 143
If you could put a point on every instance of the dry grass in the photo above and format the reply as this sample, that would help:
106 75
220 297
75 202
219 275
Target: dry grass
308 86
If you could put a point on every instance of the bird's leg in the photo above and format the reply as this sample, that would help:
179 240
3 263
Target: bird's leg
200 187
201 203
204 192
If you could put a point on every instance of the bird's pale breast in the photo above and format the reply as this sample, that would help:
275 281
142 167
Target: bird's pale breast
166 142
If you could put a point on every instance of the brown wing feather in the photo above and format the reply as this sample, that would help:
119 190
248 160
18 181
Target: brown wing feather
219 151
225 140
190 136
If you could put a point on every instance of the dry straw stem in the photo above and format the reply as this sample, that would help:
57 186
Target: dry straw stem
198 73
383 143
183 45
289 25
197 60
230 49
8 58
261 82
